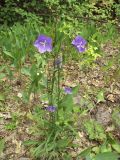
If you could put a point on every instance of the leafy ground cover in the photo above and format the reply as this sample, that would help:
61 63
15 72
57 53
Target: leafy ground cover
84 86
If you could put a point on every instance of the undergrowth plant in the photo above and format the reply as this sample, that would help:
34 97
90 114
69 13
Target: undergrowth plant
16 43
54 120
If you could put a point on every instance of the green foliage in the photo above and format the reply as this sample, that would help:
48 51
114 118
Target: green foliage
116 117
19 41
2 145
13 124
106 156
100 97
2 97
88 58
84 154
2 75
115 145
54 140
14 11
95 130
104 151
54 132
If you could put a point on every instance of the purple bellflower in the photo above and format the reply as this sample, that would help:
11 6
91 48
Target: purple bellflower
51 108
68 90
43 44
79 42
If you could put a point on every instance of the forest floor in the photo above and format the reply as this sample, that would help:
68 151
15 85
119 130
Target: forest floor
14 113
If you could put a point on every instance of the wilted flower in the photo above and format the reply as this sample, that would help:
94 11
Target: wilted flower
51 108
79 43
68 90
58 62
43 44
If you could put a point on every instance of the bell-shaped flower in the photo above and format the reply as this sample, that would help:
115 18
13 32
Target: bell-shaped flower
51 108
79 42
43 44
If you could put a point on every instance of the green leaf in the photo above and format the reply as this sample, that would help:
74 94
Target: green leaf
2 97
107 156
116 147
2 145
30 142
10 126
50 147
105 148
26 71
67 102
67 157
2 68
94 130
8 53
75 90
84 153
2 75
100 97
62 143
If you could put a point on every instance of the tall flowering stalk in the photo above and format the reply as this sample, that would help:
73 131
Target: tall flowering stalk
60 105
44 44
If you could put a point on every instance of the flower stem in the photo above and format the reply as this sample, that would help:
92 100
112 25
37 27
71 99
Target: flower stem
53 82
58 86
